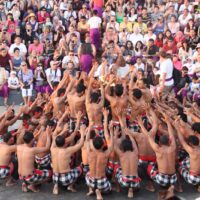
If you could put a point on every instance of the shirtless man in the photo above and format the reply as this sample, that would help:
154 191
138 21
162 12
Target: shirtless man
191 173
137 107
6 166
43 160
26 157
96 177
165 176
142 85
127 172
9 119
61 157
118 101
76 100
94 105
145 151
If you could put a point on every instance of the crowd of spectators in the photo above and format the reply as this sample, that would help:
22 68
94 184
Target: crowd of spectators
39 40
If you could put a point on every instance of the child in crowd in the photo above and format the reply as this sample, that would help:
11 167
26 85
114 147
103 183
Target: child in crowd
13 81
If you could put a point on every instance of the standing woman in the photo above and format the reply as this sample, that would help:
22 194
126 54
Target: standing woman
86 53
3 85
26 81
94 27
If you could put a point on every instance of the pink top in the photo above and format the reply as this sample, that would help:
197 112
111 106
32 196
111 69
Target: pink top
39 49
178 65
98 3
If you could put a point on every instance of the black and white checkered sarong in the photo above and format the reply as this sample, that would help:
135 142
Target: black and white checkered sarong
102 183
68 178
189 177
163 180
44 161
4 172
127 181
37 176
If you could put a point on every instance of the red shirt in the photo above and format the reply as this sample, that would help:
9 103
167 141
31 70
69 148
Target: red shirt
4 61
173 48
42 19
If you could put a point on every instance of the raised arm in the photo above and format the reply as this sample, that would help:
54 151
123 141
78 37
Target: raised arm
76 147
150 135
38 150
170 131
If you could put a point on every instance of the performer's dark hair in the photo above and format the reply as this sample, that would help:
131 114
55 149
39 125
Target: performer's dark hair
196 127
193 139
28 137
164 139
60 141
137 93
98 143
127 145
119 90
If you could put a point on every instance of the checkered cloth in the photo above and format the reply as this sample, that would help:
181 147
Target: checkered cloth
85 169
102 183
189 177
127 181
68 178
37 176
110 167
164 180
133 126
4 172
72 122
44 161
185 163
100 130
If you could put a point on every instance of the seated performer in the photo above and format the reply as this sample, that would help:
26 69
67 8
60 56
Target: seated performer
191 171
127 172
26 157
61 157
96 178
6 165
165 173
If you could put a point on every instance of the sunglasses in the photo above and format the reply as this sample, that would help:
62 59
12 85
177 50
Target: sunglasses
24 65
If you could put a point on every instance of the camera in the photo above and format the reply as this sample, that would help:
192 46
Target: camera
26 85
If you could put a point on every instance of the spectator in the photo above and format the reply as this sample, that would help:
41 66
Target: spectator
26 81
3 85
13 81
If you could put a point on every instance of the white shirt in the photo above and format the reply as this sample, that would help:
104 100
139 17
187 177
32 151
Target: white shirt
135 38
54 75
13 81
74 59
184 21
123 71
141 66
166 67
94 22
21 46
147 37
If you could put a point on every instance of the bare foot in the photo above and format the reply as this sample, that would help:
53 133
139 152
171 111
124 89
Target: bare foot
198 189
98 194
130 193
161 195
178 188
32 188
170 192
10 182
150 187
24 187
90 192
71 188
55 189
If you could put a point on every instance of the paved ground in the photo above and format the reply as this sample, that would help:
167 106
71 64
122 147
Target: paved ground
14 193
45 193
